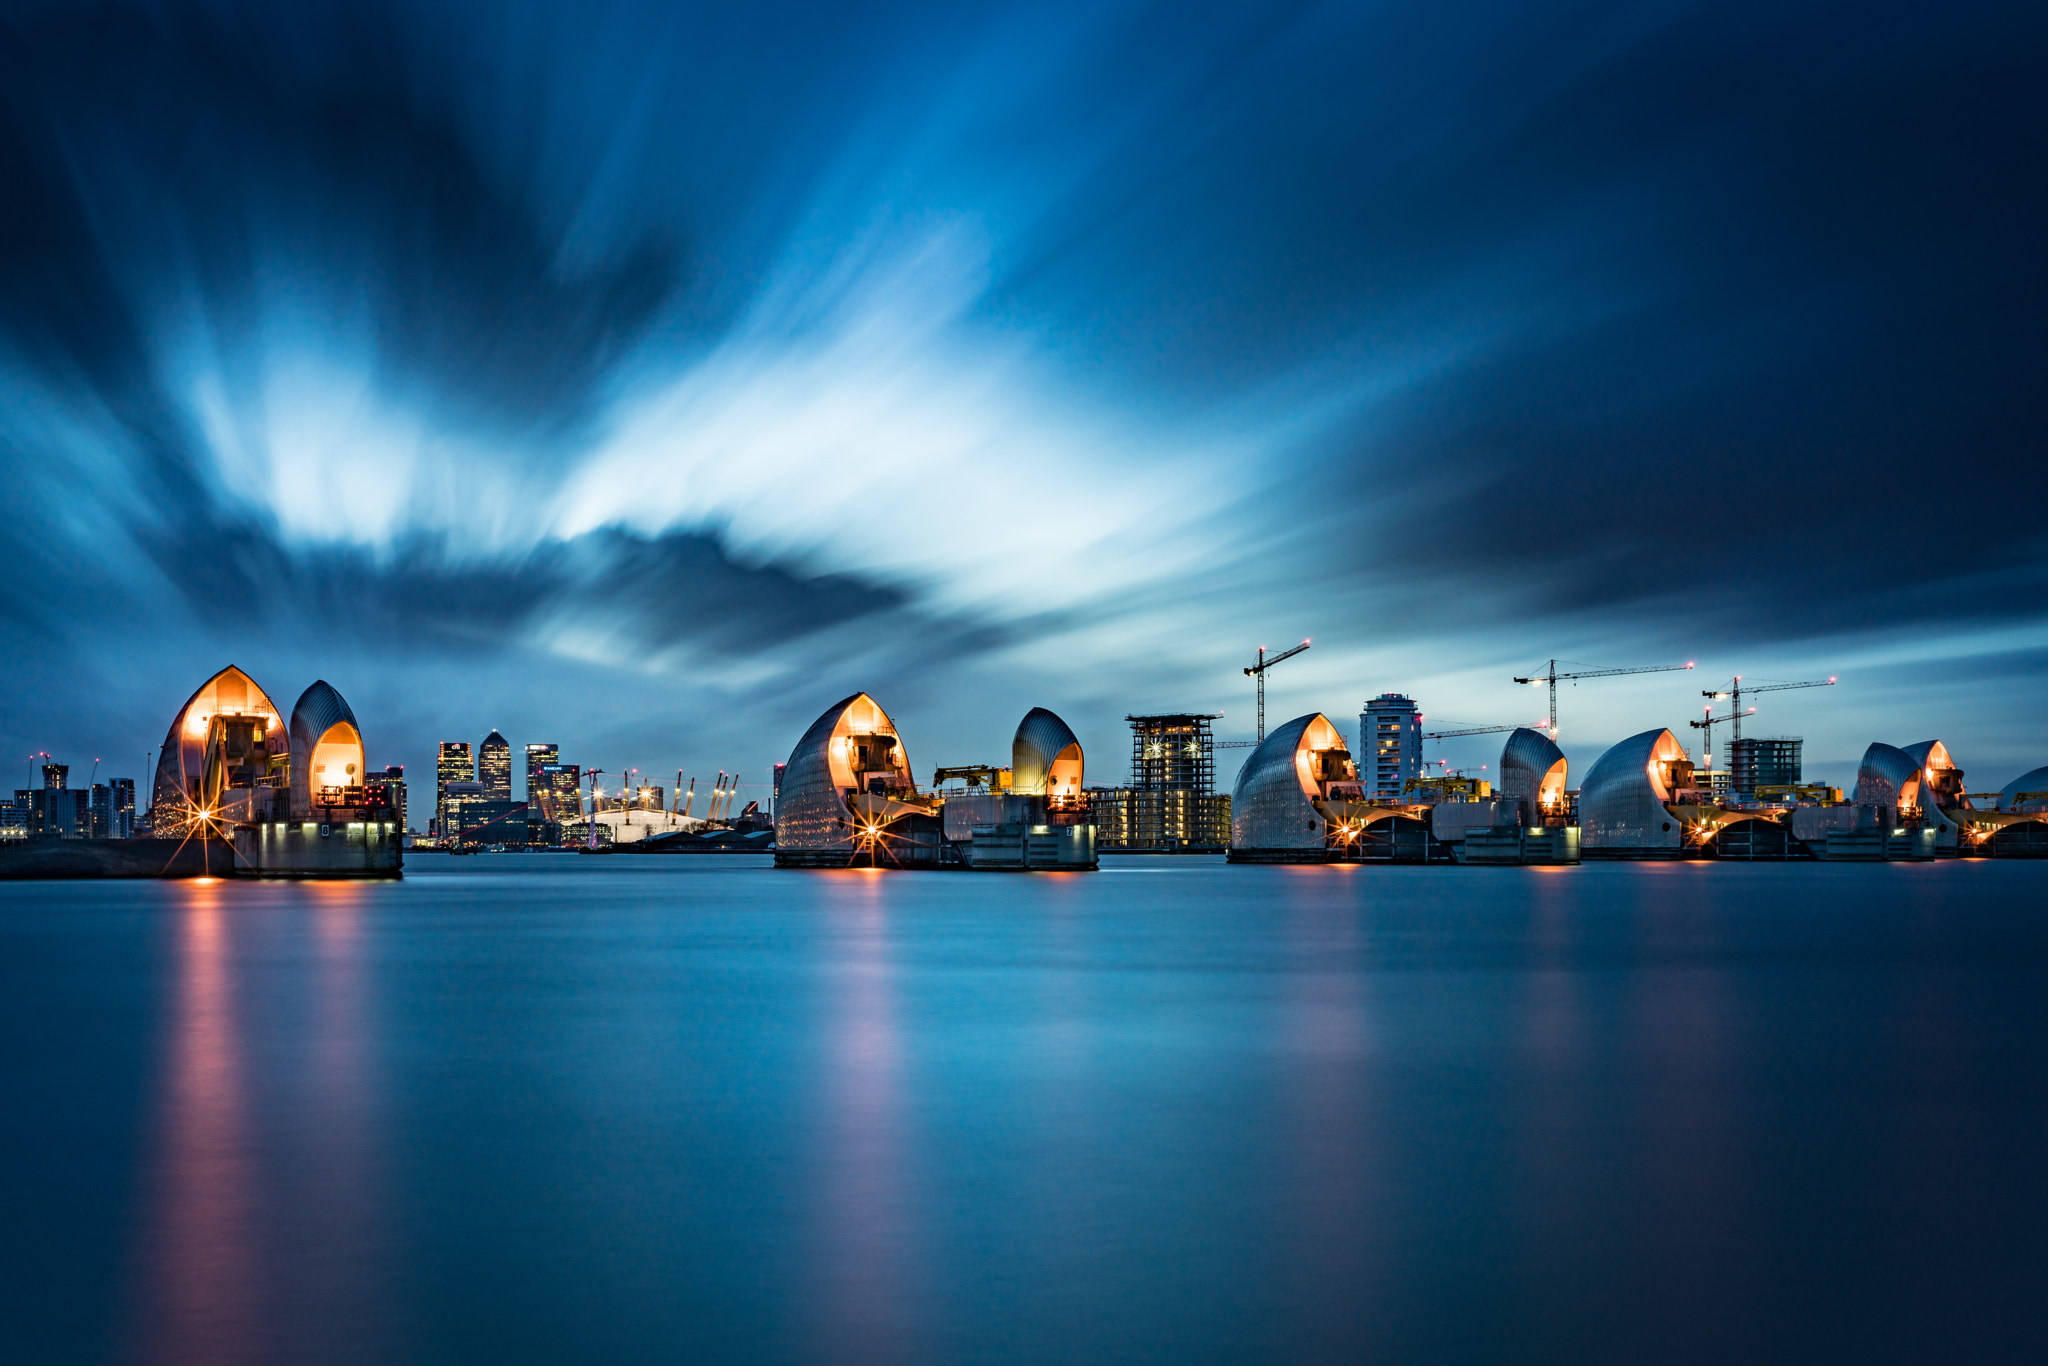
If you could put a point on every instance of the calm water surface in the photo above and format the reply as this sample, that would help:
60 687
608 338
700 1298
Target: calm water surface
551 1109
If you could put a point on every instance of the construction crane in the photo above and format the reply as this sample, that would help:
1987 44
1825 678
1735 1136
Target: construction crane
1552 676
1429 735
1707 724
1258 671
1736 690
1469 730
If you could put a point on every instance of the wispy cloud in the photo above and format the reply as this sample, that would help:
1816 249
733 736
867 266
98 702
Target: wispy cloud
737 349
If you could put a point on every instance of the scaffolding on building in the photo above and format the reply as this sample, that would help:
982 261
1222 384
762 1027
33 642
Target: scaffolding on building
1170 804
1173 752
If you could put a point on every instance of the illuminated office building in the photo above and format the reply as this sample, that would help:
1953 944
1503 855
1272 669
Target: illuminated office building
494 767
539 757
454 766
393 779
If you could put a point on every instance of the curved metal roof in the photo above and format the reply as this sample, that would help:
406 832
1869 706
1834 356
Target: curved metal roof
811 812
319 709
1940 788
1271 804
2033 780
1042 739
183 758
1888 776
1930 754
1621 803
1532 768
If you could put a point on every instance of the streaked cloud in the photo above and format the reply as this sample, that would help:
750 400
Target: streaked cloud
1000 349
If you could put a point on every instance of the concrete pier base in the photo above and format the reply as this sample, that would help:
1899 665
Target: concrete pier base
311 849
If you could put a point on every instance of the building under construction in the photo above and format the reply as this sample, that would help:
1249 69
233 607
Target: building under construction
1761 762
1170 805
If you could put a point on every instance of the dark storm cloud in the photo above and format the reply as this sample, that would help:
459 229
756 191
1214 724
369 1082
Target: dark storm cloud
677 588
1705 302
144 144
1611 320
144 150
1832 376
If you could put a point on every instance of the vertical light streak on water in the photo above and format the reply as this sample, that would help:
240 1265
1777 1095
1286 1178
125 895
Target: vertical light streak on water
1553 1023
1336 1236
866 1292
200 1261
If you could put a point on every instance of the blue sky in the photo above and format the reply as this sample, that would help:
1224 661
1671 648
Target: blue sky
645 377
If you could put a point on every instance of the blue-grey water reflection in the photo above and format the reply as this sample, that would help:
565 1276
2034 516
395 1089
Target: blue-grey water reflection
566 1109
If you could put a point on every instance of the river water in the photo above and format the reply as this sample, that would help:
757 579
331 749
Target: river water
559 1109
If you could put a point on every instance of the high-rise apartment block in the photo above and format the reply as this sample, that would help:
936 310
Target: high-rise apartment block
494 767
1389 745
51 810
58 810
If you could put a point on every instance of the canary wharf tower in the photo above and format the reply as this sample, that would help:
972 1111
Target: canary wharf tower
494 768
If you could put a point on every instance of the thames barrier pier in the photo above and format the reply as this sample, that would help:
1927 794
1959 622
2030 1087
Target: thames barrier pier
239 793
849 800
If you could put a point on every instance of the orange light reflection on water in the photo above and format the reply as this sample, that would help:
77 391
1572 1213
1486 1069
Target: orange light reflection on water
199 1260
866 1238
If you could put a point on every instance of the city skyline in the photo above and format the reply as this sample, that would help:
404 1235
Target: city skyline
549 369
